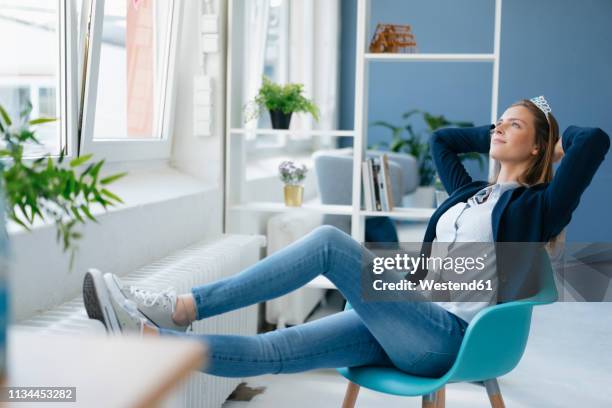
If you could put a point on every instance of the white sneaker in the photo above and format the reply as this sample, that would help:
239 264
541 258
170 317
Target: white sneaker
157 306
115 311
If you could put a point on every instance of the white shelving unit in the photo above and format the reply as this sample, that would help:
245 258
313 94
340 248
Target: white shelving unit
235 146
363 60
241 132
431 57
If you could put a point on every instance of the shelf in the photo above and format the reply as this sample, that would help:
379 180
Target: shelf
431 57
281 207
236 137
281 132
403 213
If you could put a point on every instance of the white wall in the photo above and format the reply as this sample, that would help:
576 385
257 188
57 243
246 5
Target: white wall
199 156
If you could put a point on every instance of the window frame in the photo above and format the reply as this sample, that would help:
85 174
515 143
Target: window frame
66 92
90 49
68 95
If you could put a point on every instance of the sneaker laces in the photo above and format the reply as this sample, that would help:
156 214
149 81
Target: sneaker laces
148 298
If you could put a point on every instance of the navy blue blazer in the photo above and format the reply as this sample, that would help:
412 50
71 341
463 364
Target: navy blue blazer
524 214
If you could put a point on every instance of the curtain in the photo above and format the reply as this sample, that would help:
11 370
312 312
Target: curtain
314 57
257 12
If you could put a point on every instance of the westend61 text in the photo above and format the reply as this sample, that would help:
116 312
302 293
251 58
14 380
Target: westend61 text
430 285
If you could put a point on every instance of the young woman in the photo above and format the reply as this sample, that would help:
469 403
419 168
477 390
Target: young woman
524 203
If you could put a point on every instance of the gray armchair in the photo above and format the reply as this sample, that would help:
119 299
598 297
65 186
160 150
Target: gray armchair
334 169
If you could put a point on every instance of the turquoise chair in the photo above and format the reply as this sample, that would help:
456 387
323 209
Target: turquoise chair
493 345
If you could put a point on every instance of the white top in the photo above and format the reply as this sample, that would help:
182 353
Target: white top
469 222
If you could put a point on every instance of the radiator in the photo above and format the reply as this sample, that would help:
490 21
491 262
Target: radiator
197 264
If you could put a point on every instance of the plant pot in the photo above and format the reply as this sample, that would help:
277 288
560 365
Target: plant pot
294 195
280 119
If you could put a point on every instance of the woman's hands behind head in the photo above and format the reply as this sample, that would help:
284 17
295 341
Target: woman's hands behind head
559 153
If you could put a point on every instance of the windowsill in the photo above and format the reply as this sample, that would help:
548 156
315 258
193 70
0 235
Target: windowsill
146 183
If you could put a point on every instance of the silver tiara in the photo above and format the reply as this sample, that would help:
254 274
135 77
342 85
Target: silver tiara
541 103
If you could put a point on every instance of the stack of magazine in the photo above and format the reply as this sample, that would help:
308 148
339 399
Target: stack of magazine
377 192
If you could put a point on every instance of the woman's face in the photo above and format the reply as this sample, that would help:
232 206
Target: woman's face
513 139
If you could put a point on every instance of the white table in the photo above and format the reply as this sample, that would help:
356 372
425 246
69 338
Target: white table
116 371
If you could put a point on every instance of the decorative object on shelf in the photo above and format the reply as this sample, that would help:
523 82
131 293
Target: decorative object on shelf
417 143
281 101
393 38
293 176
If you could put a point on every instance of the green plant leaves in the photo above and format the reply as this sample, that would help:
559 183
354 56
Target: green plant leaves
111 195
5 116
50 189
40 121
80 160
75 211
87 213
110 179
287 98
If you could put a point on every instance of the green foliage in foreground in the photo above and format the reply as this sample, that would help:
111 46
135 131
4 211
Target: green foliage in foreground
48 188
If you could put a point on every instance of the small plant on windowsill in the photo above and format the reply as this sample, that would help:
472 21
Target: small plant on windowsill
45 189
281 101
293 176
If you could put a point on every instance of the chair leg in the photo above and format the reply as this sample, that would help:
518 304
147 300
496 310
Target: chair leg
429 400
350 397
441 397
494 393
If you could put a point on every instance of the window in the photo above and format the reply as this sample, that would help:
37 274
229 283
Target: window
129 64
126 107
30 68
107 80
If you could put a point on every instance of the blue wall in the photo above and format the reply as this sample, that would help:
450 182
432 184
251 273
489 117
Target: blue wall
558 48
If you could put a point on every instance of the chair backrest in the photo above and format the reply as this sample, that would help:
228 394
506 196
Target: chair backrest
495 340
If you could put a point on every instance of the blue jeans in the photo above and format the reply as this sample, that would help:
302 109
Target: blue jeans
418 337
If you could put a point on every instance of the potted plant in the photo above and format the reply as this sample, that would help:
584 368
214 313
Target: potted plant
417 145
293 176
281 101
43 188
